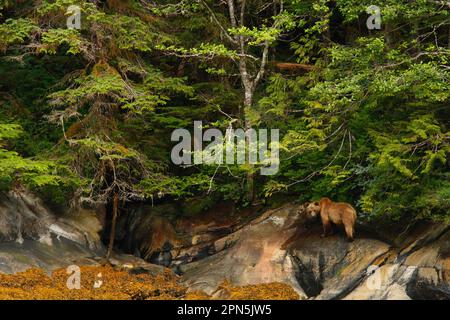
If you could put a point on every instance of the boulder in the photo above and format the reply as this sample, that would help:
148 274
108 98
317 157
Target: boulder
253 254
330 267
31 235
283 246
387 282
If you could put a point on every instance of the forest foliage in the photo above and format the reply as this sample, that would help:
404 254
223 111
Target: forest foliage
363 114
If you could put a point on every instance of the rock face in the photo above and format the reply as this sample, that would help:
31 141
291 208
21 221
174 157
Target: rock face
248 248
24 217
278 247
419 269
33 236
330 267
253 254
431 260
160 235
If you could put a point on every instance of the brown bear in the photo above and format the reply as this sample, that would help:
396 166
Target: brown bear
333 212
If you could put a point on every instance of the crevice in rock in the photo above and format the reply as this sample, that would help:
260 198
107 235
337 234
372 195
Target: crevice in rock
307 279
402 256
358 280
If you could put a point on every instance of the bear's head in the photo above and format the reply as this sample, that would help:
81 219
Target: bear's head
313 209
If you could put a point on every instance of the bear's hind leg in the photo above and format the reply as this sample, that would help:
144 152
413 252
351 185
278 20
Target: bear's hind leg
349 232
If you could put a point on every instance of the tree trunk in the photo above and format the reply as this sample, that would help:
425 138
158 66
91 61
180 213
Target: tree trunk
250 186
112 233
248 102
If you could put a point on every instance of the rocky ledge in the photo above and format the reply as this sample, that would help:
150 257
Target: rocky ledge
281 246
278 246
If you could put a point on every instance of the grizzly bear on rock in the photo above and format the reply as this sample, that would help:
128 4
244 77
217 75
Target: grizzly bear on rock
333 212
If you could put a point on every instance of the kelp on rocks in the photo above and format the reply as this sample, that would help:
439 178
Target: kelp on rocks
112 284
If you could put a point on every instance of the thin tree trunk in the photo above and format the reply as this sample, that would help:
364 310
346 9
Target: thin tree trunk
249 82
250 186
112 233
248 102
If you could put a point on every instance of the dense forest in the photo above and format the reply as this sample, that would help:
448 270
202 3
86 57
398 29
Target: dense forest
86 114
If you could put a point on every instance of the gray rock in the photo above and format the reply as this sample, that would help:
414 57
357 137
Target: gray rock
251 255
278 247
